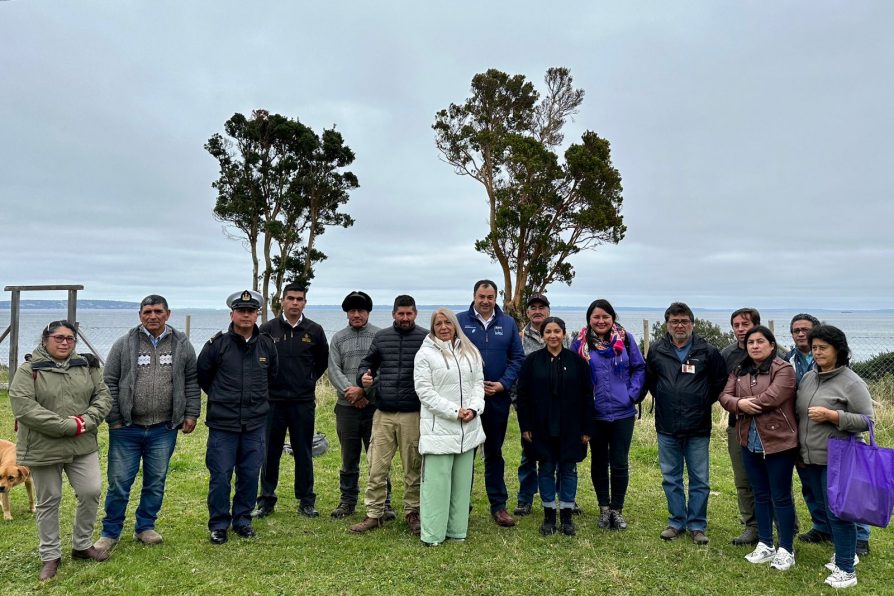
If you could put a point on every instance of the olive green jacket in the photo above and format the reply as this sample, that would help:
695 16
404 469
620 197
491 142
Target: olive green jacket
44 396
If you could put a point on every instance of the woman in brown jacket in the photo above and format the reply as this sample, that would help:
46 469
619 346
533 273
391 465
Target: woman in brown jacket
761 392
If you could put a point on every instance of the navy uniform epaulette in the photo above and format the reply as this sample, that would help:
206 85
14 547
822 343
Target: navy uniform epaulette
215 336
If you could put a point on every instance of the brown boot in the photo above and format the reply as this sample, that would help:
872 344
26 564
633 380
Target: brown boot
414 523
368 523
90 553
49 569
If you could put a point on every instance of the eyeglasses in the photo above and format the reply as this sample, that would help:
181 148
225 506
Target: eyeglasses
62 339
679 322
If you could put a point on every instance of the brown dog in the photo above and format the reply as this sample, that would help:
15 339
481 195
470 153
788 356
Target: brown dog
12 475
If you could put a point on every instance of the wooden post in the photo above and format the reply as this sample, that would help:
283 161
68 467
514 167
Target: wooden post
771 325
13 334
188 324
647 340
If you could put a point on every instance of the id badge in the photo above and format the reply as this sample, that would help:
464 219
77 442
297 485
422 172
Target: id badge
688 369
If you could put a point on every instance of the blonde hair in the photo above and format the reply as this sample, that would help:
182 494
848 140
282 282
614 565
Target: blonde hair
466 348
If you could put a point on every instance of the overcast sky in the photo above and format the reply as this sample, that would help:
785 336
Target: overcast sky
753 138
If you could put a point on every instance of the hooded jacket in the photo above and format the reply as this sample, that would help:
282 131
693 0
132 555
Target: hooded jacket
773 388
390 361
616 390
683 399
839 389
120 377
445 383
44 395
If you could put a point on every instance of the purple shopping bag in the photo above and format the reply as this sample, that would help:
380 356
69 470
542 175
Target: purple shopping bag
861 480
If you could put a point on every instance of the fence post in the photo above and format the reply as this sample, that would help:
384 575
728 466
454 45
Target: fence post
771 324
13 334
188 324
646 339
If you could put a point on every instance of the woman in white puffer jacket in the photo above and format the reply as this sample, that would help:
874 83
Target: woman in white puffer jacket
449 380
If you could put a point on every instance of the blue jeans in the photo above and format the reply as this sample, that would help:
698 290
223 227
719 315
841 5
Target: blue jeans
673 452
229 451
527 479
818 512
771 482
844 533
128 445
561 477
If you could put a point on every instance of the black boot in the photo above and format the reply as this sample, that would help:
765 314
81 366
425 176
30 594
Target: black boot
549 521
567 525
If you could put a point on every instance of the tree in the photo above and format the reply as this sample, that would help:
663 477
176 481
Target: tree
280 185
540 211
712 333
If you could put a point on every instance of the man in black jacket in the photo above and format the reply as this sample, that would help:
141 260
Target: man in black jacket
234 370
396 421
303 356
685 375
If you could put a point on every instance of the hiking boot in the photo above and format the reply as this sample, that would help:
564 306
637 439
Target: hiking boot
343 510
105 543
49 569
699 537
91 553
841 579
567 525
523 509
831 566
605 518
414 523
576 510
764 553
783 560
548 527
148 537
308 511
368 523
671 533
814 536
748 536
618 522
503 518
862 547
389 514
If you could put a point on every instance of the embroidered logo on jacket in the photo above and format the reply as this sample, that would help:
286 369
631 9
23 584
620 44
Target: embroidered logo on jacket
306 339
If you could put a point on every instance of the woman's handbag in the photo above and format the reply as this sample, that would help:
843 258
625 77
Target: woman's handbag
861 480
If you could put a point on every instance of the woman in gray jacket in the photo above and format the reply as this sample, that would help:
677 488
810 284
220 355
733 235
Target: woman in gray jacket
832 403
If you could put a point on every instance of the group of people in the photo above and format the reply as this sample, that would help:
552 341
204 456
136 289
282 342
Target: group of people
436 396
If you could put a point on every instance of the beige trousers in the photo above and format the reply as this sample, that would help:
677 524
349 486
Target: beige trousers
393 431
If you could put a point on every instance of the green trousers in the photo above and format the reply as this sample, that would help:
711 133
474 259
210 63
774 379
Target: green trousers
444 502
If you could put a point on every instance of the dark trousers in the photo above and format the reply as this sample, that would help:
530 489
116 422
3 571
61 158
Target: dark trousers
494 421
298 419
771 482
227 452
844 533
610 447
354 429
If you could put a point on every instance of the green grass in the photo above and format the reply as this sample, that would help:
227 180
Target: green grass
296 555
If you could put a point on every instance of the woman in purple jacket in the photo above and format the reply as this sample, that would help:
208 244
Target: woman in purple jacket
619 374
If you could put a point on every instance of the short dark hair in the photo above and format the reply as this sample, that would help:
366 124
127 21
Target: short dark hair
403 300
51 328
295 287
484 282
555 320
765 331
750 313
803 317
152 300
678 308
604 305
746 363
836 338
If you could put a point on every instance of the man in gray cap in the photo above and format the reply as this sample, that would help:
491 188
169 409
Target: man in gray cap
234 370
355 408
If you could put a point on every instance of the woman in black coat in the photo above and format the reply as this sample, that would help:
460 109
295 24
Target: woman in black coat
555 413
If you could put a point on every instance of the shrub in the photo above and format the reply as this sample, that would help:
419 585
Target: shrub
710 331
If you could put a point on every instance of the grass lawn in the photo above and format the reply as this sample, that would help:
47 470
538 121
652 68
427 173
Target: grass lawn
293 554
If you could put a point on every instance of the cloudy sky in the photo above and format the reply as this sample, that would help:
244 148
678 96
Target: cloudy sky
753 138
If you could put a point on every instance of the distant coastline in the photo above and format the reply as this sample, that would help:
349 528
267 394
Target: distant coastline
124 305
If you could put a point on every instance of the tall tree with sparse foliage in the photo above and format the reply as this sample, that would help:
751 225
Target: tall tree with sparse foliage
280 186
541 210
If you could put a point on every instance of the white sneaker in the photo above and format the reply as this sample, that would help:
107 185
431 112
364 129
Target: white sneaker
764 553
831 566
783 560
841 579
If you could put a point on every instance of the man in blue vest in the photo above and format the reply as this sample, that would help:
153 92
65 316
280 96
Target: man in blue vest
495 334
